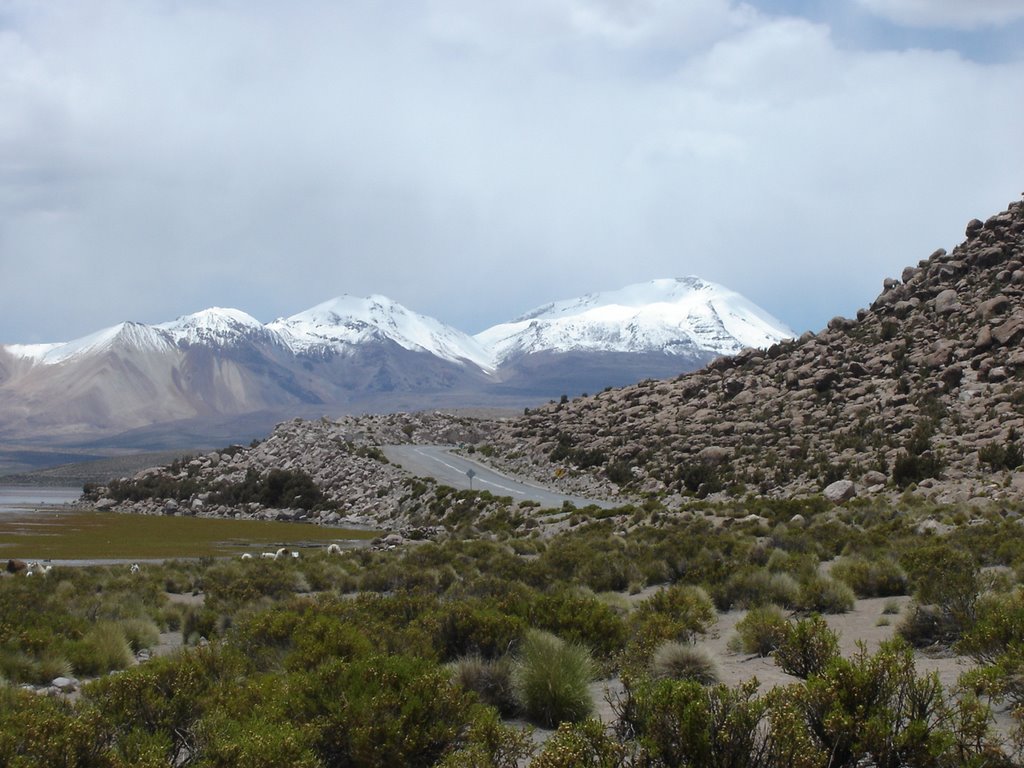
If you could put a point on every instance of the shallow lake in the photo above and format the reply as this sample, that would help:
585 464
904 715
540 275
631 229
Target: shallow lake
14 498
33 526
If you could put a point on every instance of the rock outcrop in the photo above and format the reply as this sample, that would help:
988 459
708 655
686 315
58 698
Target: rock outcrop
341 457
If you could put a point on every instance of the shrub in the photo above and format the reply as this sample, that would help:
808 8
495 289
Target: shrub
755 588
466 628
761 631
871 578
681 723
679 661
490 679
925 625
580 745
947 577
875 710
489 743
807 648
552 679
820 594
688 606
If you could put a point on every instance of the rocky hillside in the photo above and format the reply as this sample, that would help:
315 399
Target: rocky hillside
326 472
923 389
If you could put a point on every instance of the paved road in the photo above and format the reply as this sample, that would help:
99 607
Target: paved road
450 469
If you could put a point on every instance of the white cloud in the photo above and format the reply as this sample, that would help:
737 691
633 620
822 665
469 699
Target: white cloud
956 14
472 160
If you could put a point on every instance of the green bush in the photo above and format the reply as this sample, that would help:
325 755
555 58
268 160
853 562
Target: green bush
381 711
580 745
688 606
679 661
552 679
682 723
467 628
947 577
807 648
761 631
875 710
881 577
752 588
489 743
820 594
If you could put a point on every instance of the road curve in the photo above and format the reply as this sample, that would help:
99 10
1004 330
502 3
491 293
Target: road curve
450 469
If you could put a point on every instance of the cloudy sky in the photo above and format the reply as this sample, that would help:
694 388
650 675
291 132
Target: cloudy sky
475 159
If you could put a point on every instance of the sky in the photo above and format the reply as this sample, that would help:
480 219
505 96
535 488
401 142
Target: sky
474 160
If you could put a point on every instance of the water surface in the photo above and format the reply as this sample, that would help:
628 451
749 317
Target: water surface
26 498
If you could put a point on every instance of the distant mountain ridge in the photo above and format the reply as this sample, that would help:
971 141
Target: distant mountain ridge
352 353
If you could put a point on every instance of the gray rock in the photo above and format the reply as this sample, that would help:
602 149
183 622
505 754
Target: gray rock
874 477
946 302
65 684
840 491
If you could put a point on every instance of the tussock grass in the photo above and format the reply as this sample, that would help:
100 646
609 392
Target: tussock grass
680 661
552 679
490 679
140 633
104 649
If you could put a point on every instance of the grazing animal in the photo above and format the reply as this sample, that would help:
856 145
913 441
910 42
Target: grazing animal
30 573
269 555
16 566
282 552
295 554
134 568
47 569
333 549
246 556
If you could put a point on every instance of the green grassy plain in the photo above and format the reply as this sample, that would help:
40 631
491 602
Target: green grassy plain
98 535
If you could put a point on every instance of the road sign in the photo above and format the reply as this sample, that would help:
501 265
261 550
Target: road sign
470 473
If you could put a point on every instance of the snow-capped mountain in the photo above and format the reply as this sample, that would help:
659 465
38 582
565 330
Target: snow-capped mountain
346 322
127 336
217 326
684 316
223 368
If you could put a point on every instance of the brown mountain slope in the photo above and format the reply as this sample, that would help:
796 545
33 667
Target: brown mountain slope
926 386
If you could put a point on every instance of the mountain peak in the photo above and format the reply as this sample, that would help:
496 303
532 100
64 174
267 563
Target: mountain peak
339 324
681 316
214 326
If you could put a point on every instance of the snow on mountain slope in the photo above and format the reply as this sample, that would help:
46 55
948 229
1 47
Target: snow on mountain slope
674 316
346 321
216 326
130 337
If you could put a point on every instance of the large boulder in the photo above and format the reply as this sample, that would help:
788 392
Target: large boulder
840 491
